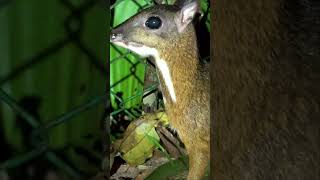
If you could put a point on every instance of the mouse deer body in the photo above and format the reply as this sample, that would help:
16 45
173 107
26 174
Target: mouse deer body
166 33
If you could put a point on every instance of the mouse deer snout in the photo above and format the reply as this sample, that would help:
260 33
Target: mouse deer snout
116 36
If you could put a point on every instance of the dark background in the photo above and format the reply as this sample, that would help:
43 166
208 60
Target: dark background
53 78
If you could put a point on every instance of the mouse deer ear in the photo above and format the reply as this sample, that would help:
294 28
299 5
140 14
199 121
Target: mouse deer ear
185 15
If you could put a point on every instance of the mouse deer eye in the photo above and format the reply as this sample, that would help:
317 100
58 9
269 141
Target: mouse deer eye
153 22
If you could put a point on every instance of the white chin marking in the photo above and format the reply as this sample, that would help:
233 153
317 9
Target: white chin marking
145 51
142 50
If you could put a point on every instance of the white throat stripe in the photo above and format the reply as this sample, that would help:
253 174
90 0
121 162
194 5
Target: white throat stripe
145 51
164 69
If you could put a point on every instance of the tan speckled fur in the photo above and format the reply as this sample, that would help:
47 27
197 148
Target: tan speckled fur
190 114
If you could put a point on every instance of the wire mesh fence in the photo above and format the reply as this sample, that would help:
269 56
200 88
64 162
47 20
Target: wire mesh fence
132 79
52 132
45 111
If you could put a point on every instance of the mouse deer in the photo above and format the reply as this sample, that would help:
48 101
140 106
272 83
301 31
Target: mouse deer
166 34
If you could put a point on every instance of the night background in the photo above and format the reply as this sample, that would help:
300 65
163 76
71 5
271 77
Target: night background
52 88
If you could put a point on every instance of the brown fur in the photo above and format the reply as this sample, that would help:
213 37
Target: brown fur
265 84
190 114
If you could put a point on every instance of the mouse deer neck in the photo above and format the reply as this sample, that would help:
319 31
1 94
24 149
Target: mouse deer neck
177 66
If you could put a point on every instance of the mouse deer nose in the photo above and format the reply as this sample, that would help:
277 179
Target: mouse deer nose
115 36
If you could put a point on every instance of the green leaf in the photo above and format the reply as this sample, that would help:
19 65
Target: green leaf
139 140
173 168
170 169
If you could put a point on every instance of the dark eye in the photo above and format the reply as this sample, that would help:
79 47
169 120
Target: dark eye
153 22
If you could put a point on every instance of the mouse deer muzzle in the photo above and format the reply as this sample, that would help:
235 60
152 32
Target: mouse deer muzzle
116 37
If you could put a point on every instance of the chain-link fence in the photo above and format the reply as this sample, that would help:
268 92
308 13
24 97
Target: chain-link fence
52 85
132 79
52 88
